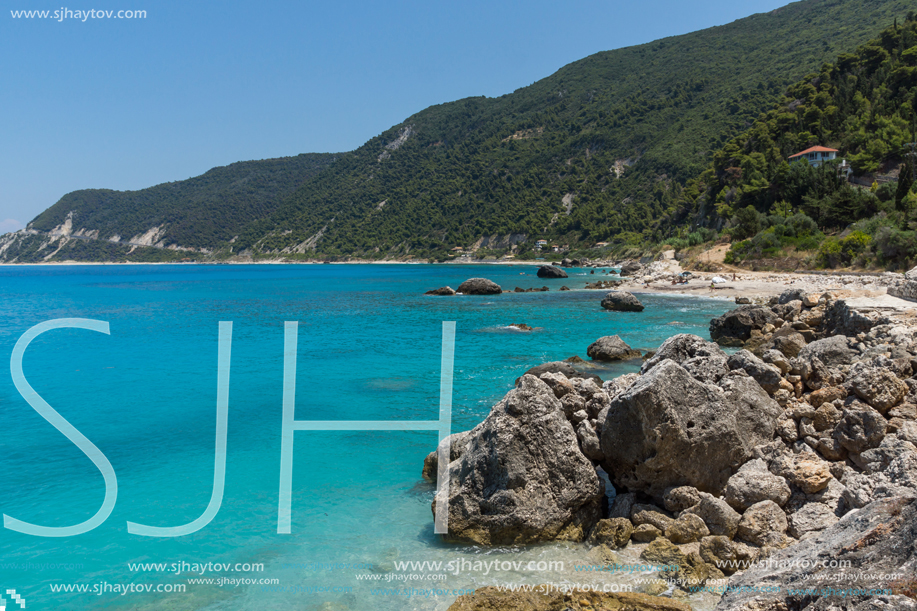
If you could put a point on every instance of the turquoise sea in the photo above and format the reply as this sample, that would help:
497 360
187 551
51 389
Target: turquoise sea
369 349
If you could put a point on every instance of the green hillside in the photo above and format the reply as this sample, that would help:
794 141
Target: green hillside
601 150
656 111
865 105
200 212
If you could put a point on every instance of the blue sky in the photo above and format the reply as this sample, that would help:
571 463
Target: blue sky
129 103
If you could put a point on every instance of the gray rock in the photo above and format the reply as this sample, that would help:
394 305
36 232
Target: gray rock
669 430
522 477
621 301
694 354
650 514
840 319
720 518
680 498
777 359
645 533
611 348
752 484
813 517
550 271
861 428
768 376
613 532
479 286
727 555
790 295
734 328
457 444
833 351
878 387
444 290
564 368
630 268
878 541
589 441
615 387
622 506
763 524
687 528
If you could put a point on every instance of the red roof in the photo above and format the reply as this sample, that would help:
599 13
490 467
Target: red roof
815 149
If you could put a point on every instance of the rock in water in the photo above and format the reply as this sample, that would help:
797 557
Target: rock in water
443 290
611 348
549 271
522 477
479 286
669 429
621 301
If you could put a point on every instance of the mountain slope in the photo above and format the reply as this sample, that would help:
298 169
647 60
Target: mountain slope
545 160
599 150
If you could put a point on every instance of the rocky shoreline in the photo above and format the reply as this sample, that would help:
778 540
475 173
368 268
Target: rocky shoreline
800 444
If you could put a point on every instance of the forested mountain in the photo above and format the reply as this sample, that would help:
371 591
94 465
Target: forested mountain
600 150
864 105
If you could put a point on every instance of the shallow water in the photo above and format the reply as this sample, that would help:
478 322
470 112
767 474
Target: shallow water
369 349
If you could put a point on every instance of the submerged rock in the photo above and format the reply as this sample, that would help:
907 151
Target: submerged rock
479 286
522 477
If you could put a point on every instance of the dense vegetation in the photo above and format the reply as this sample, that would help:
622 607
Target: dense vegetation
200 212
480 167
865 105
609 148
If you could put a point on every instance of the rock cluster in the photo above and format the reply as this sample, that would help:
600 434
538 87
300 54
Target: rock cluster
718 460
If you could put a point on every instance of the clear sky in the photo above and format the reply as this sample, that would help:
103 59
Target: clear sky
129 103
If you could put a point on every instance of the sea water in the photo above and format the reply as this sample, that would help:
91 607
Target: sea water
369 349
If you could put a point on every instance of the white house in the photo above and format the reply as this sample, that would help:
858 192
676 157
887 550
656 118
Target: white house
816 155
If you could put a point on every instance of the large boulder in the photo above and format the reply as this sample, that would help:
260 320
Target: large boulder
833 351
719 517
908 288
752 484
630 268
479 286
764 523
611 348
840 319
621 301
522 477
702 359
670 429
734 327
550 271
879 388
768 376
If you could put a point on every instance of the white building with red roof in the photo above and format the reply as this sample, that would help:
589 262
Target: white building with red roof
816 155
